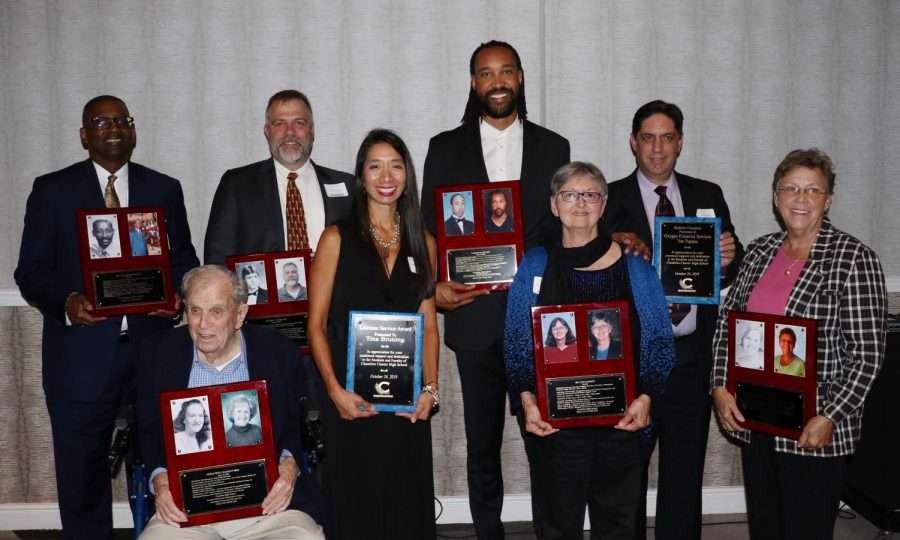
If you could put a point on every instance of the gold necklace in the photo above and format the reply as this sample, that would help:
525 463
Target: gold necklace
787 271
386 246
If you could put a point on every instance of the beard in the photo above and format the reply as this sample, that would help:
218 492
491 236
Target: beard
495 111
300 155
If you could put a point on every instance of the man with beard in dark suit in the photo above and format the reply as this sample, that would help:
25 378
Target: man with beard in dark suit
656 189
494 143
86 357
249 212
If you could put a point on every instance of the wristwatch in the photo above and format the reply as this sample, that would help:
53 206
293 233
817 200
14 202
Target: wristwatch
431 388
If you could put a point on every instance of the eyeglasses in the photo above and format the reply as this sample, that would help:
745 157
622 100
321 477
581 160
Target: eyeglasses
104 122
592 197
791 190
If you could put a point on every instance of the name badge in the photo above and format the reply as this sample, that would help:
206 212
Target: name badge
706 212
412 265
336 190
536 286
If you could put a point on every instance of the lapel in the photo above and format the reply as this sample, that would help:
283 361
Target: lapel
815 270
475 155
178 373
688 194
270 201
88 186
530 151
634 206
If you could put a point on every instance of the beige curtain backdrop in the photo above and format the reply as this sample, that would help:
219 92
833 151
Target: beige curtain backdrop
755 80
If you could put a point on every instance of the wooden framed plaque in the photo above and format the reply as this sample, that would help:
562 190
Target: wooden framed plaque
277 291
125 260
220 452
584 366
772 371
479 233
686 258
384 358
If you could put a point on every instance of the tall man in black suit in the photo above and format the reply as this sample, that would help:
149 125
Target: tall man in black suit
248 210
87 359
656 140
215 348
494 143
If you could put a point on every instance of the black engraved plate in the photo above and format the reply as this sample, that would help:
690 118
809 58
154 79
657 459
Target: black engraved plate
769 405
586 396
228 487
129 287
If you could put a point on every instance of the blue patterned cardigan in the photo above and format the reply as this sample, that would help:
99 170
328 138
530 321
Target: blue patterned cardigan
657 344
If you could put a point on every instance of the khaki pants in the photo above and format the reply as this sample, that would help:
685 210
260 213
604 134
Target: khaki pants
290 524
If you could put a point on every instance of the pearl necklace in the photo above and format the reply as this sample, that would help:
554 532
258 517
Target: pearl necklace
386 246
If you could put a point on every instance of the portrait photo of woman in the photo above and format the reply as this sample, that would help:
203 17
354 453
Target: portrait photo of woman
748 351
192 431
604 335
239 413
560 344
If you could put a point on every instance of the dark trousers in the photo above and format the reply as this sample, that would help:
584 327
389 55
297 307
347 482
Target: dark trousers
599 467
82 433
483 378
683 431
790 496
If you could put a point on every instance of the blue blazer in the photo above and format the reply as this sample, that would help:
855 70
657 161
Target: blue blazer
77 360
164 364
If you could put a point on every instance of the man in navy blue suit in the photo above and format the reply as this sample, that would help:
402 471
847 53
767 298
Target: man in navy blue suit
87 365
216 348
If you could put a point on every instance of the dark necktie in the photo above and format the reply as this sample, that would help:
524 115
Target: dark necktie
296 217
665 208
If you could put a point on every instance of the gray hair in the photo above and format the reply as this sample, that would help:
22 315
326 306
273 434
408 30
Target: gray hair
238 287
240 398
577 168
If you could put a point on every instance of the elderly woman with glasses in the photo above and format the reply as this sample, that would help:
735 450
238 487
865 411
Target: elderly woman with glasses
595 466
811 270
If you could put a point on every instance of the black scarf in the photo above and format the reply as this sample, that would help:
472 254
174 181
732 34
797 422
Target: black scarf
555 288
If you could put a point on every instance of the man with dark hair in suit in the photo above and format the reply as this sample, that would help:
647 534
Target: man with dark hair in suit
499 218
216 348
656 189
494 143
255 293
457 224
254 208
87 358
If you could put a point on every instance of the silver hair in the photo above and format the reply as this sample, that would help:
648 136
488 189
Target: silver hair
238 287
577 168
240 398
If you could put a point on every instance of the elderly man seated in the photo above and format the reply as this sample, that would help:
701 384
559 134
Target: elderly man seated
215 348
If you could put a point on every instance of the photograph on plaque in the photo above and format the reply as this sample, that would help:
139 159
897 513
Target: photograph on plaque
577 390
459 218
772 371
240 417
254 275
560 342
104 230
191 429
291 279
686 258
277 293
605 334
143 234
384 359
119 276
790 341
499 210
748 345
479 233
219 467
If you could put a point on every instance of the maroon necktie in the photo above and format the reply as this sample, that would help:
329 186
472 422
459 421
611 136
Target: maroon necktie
296 217
665 208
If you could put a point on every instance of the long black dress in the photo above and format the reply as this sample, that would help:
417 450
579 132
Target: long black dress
378 471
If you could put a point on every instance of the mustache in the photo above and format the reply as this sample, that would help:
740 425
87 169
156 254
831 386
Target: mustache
291 139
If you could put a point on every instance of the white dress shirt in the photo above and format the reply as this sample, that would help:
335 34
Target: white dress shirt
502 151
310 194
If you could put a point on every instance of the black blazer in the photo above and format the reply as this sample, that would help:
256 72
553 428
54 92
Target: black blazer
625 213
455 157
77 360
246 214
452 229
164 364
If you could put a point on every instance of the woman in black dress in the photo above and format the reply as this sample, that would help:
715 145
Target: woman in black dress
378 477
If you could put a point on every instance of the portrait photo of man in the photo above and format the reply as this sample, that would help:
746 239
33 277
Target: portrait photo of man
292 280
498 210
136 235
254 275
458 208
105 232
